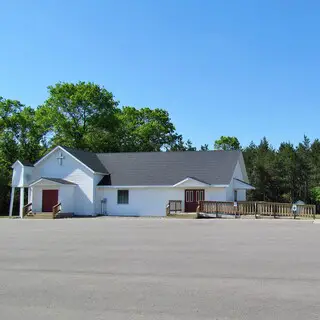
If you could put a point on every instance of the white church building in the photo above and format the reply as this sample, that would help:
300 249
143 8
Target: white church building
128 184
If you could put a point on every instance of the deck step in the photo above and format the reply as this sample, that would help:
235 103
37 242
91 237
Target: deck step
48 215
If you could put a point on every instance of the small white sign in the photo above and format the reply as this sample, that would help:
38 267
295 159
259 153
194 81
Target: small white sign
235 204
294 208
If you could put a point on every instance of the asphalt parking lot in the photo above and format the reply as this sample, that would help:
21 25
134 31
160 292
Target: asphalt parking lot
118 268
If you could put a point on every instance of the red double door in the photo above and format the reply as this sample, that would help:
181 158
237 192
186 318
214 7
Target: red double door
49 199
192 196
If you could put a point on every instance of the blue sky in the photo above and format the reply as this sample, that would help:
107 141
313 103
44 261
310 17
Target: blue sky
243 68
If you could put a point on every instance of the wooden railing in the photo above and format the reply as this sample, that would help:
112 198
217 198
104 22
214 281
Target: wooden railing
27 209
217 207
306 210
174 206
257 208
55 210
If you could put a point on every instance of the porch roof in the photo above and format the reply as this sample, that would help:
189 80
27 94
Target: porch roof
191 180
52 180
239 184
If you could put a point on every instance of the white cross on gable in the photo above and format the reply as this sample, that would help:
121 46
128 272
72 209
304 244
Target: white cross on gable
60 158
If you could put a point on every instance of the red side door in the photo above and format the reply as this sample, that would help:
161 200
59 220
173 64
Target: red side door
49 199
191 199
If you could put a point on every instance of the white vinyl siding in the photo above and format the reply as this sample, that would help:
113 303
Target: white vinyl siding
150 201
241 194
70 170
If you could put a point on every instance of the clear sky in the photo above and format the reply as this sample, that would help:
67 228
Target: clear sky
227 67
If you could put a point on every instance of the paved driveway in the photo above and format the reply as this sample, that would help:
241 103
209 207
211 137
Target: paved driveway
118 268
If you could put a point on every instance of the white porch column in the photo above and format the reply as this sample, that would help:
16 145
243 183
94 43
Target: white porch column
21 201
11 201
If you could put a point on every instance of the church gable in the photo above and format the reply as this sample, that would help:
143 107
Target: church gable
59 164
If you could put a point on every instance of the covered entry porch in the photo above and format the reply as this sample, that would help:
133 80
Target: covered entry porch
197 191
45 194
49 193
48 197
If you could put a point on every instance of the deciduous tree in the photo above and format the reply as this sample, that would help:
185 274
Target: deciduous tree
227 143
76 113
146 129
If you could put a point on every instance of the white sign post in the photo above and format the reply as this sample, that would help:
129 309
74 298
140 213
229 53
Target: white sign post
294 210
235 205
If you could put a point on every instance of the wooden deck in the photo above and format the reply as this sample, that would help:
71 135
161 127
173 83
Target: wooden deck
256 208
174 207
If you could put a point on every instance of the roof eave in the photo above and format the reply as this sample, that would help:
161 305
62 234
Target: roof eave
245 185
52 181
158 186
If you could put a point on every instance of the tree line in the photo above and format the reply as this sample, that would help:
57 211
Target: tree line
86 116
286 174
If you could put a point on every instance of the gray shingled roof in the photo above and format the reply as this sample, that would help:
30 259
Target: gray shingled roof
58 180
168 168
26 163
90 159
160 168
